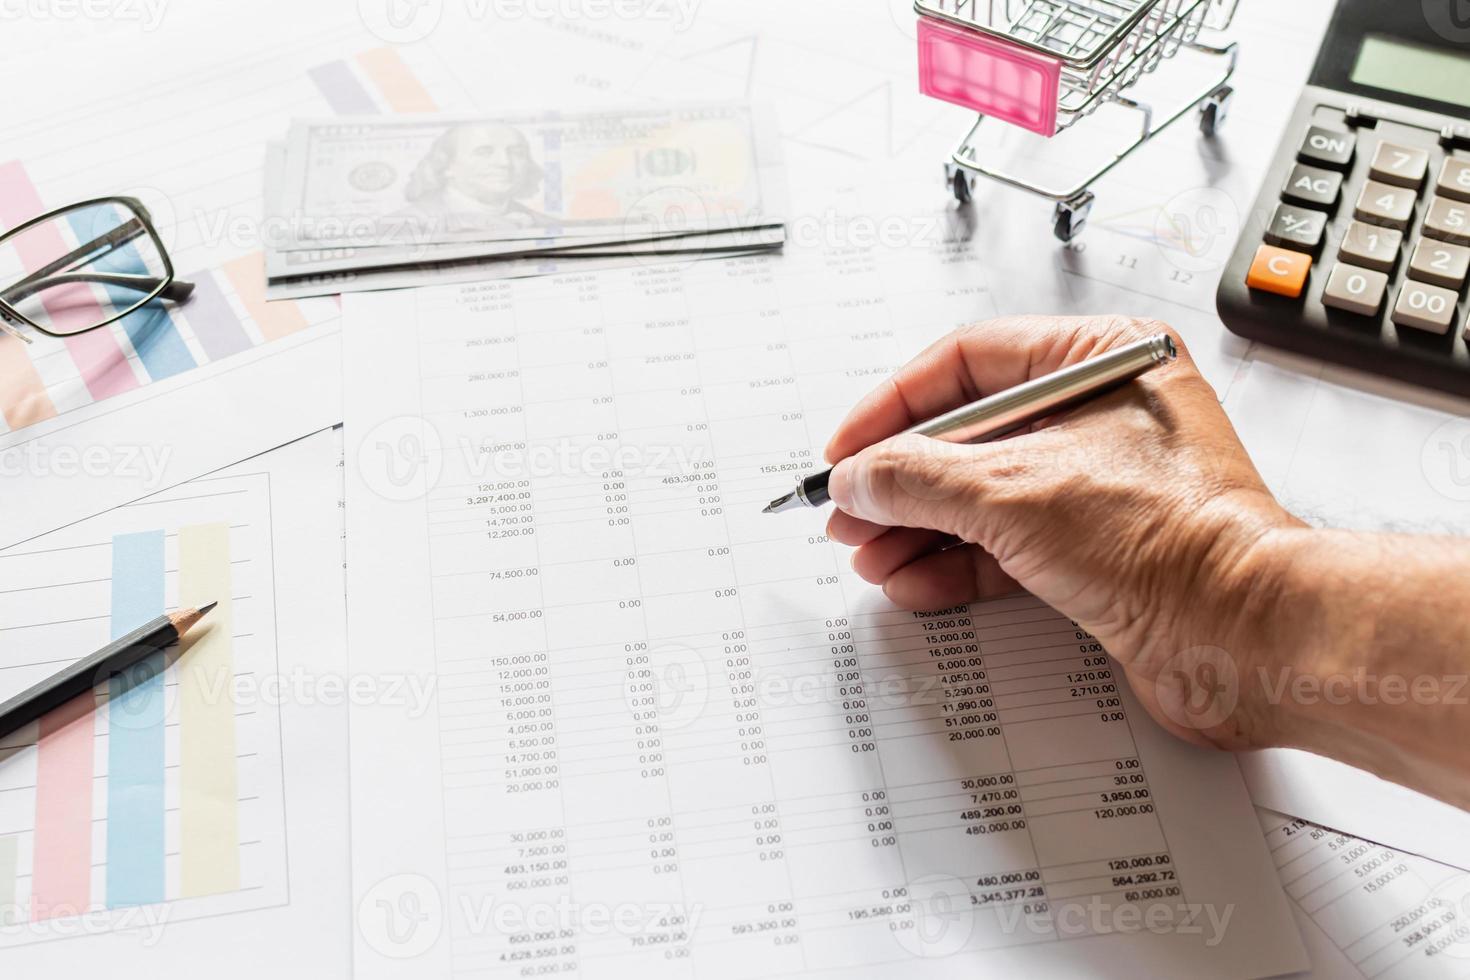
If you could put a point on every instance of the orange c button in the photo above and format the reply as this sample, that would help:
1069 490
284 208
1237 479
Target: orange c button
1276 270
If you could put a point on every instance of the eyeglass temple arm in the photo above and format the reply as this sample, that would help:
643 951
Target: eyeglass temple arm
42 278
177 291
120 235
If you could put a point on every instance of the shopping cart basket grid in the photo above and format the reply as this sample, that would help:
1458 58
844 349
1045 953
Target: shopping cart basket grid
1045 65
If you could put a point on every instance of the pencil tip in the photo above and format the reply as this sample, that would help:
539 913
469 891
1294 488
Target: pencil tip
184 619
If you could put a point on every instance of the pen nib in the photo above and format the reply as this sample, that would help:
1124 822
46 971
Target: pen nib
782 503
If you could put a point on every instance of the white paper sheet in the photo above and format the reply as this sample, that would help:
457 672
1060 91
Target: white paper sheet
1366 910
157 865
671 734
1373 808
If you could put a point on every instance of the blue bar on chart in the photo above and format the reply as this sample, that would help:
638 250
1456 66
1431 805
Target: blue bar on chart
135 725
151 329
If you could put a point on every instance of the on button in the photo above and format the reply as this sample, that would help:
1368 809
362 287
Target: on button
1328 147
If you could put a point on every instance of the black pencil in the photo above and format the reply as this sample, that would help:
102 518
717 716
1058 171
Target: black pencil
87 673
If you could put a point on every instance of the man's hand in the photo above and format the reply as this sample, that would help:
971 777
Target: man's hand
1139 515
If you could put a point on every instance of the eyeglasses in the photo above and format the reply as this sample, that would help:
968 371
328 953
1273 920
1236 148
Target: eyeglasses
61 290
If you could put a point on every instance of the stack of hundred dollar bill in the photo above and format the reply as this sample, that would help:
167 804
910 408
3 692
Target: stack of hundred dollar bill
381 202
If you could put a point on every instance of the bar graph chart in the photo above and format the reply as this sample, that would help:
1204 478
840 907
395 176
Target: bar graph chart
164 785
228 313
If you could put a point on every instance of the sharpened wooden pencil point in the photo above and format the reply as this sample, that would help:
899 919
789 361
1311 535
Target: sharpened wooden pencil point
186 618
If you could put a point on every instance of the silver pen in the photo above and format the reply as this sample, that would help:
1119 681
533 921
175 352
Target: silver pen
1009 410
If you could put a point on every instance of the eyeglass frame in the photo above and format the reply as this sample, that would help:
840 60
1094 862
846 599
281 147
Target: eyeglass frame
166 286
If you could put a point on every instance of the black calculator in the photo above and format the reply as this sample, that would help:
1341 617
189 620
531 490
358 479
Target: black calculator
1358 248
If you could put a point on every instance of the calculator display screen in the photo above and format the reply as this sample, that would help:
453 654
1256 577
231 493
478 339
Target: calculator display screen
1413 69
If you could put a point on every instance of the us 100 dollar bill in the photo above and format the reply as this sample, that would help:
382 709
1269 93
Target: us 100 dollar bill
611 175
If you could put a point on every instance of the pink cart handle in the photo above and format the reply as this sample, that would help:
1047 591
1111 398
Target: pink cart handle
989 76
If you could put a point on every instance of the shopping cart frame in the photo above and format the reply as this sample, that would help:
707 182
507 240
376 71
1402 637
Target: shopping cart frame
1073 202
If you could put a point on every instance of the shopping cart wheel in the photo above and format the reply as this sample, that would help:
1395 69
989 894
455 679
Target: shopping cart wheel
1214 109
961 186
1071 216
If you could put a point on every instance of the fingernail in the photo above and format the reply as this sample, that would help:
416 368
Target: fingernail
839 485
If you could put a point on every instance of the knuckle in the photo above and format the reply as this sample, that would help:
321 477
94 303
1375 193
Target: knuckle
1116 329
1135 327
919 476
1008 482
1007 473
881 469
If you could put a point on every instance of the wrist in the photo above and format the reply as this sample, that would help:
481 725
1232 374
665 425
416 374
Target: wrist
1303 631
1360 655
1278 607
1227 639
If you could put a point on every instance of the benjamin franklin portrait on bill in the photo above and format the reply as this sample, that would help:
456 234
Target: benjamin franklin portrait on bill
475 177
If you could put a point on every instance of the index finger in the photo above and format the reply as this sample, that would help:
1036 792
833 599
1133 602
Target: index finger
972 362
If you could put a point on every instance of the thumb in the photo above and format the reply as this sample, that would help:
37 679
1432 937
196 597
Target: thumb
911 481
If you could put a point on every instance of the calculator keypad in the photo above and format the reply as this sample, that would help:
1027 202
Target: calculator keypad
1379 200
1363 274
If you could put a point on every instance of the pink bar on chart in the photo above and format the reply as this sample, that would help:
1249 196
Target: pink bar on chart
395 82
61 884
97 355
275 320
989 76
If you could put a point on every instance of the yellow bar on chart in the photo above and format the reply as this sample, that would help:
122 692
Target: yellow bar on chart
23 399
395 81
209 819
274 320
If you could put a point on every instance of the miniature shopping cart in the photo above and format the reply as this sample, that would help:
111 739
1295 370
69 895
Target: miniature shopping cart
1046 65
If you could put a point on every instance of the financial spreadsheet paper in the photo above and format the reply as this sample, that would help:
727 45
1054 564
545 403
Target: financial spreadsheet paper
672 736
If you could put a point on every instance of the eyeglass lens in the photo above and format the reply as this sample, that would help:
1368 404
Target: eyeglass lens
81 268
